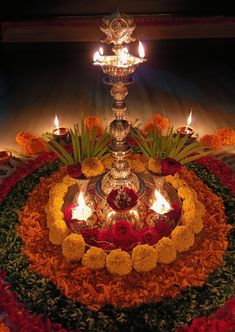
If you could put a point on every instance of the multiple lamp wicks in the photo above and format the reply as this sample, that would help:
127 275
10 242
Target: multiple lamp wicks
118 69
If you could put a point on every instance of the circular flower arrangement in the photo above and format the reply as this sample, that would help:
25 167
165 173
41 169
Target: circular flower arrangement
69 279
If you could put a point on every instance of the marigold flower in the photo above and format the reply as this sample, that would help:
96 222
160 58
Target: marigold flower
137 163
212 141
154 165
119 262
23 137
94 258
226 135
58 232
193 222
92 167
73 247
144 258
159 121
107 162
94 122
183 238
166 251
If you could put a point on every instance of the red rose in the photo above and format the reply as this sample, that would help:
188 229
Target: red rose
122 199
149 235
175 213
163 228
105 239
68 212
169 166
122 231
74 171
90 236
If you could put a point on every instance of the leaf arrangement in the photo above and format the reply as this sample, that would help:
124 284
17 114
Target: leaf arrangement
171 145
85 144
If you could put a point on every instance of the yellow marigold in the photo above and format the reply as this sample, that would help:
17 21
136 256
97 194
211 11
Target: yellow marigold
166 252
183 238
137 163
119 262
186 192
200 208
92 167
94 258
68 181
154 165
192 222
213 141
175 180
226 135
107 162
189 205
73 247
58 232
144 258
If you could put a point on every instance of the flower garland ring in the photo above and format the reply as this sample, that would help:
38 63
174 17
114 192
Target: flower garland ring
77 282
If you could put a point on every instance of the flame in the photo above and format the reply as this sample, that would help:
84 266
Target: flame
124 56
96 56
56 122
141 50
101 51
189 118
82 211
160 205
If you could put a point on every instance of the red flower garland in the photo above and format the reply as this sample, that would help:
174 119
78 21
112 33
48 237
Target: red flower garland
218 168
223 320
17 317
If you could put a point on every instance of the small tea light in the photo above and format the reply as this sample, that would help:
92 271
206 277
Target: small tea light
186 130
5 156
59 132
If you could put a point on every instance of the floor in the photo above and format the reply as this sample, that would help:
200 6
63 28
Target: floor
38 81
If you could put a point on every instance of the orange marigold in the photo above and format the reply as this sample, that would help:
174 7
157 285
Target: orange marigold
226 135
159 121
213 141
30 144
94 122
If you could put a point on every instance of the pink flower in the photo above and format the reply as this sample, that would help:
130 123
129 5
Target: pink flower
175 213
163 228
122 231
149 235
90 236
169 166
74 171
68 212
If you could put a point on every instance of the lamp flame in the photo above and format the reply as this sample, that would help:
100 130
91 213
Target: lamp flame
96 56
189 118
82 211
101 51
56 122
160 205
124 56
141 50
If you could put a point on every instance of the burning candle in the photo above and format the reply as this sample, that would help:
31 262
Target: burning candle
82 211
186 130
160 204
59 132
5 156
141 50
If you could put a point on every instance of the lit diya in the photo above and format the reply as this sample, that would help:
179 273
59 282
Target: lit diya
59 132
5 156
186 130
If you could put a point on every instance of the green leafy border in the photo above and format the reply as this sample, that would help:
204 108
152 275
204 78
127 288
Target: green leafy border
39 295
